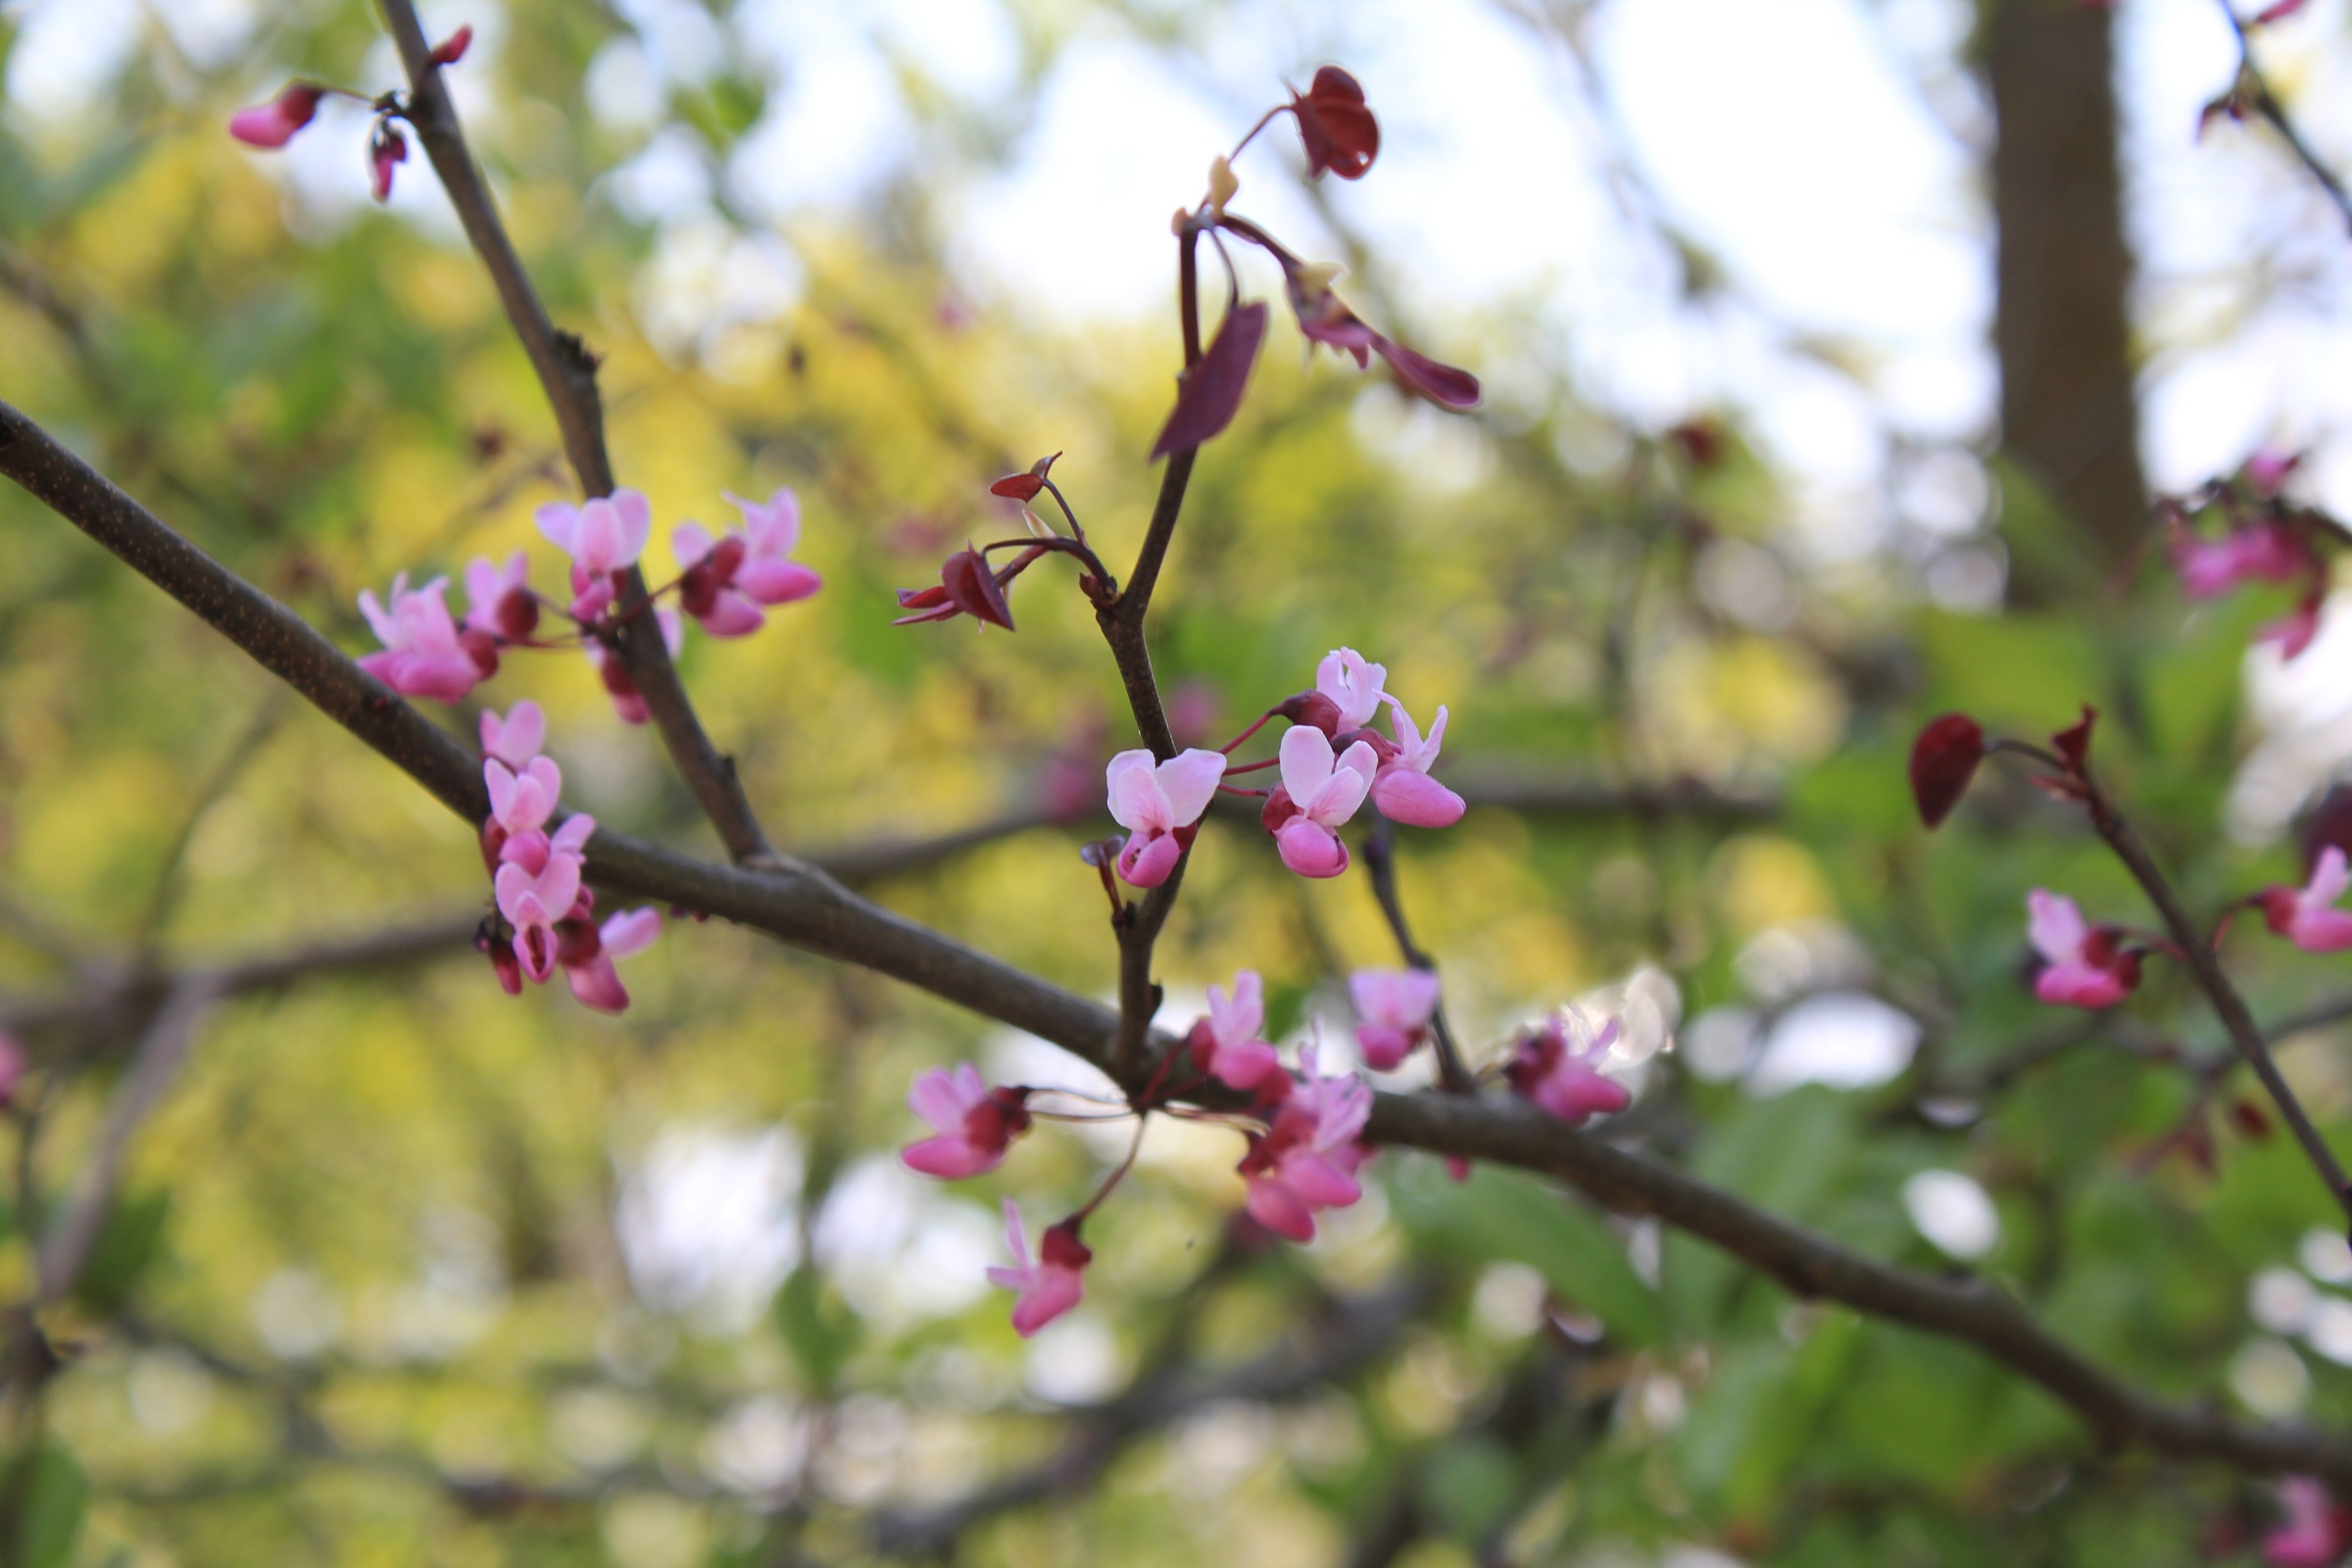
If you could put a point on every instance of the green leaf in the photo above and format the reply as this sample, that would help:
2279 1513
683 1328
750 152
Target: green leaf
128 1247
56 1495
819 1328
1503 1215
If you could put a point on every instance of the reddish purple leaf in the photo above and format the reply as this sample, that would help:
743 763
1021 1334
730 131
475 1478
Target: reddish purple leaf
1942 762
1210 393
973 589
1441 384
452 49
2073 743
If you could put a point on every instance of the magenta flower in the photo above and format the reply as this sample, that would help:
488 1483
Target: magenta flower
1319 793
533 900
522 799
727 581
2314 1532
422 656
2087 967
604 536
1225 1045
387 150
1050 1286
586 952
2307 916
973 1125
1394 1008
1353 685
2295 630
1160 807
515 739
1306 1159
499 600
1402 790
13 1061
273 125
2260 552
1558 1068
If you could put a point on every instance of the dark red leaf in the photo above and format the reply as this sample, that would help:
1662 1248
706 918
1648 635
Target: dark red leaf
1018 486
1942 762
452 49
2073 744
973 589
1210 393
1338 129
1441 384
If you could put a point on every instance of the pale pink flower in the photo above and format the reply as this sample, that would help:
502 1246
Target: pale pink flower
2087 967
725 581
273 125
772 529
586 952
1160 805
522 800
2307 916
1319 793
1402 791
533 901
2314 1532
499 599
1225 1045
1558 1068
422 656
1306 1159
1394 1008
2269 468
1353 685
517 738
1050 1286
973 1125
603 536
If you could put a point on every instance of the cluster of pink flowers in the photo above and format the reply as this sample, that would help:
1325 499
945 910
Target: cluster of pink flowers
2315 1533
725 585
1330 761
1557 1067
546 906
271 126
2265 539
1393 1010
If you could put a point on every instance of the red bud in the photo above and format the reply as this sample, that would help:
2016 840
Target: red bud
1942 762
1339 131
2250 1118
2073 744
452 49
519 613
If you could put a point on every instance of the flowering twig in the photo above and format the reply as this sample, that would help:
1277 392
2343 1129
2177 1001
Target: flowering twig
567 369
1380 860
811 911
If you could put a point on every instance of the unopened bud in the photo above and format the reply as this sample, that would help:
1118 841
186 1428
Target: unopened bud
1038 527
1221 184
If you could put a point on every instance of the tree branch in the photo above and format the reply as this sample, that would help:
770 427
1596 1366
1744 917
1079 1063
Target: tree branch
2265 103
566 371
1380 860
810 911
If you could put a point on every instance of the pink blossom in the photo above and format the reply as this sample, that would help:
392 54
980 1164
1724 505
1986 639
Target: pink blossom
1306 1159
2268 469
273 125
422 654
517 738
1319 793
1394 1007
1558 1068
973 1124
2307 916
2260 552
1225 1045
387 150
522 799
533 900
2314 1532
2295 630
499 600
1160 805
726 581
1353 685
586 952
2085 965
604 536
1050 1286
1403 791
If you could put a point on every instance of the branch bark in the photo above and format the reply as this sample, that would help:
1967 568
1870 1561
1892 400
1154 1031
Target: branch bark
810 911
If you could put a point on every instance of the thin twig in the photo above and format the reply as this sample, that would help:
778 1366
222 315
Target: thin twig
2255 87
566 371
1380 860
811 911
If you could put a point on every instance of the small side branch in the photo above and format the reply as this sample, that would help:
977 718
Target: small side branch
2254 90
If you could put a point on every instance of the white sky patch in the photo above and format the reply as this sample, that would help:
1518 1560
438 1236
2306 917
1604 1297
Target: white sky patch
706 1221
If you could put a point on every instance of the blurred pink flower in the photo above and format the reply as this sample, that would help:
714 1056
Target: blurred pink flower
2307 916
973 1125
515 739
1394 1008
1353 684
2085 965
2260 552
1050 1286
273 125
604 536
499 599
1558 1068
1225 1045
1402 791
422 656
2314 1532
586 952
726 581
1306 1159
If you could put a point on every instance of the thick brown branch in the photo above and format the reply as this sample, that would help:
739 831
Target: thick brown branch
566 371
810 911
